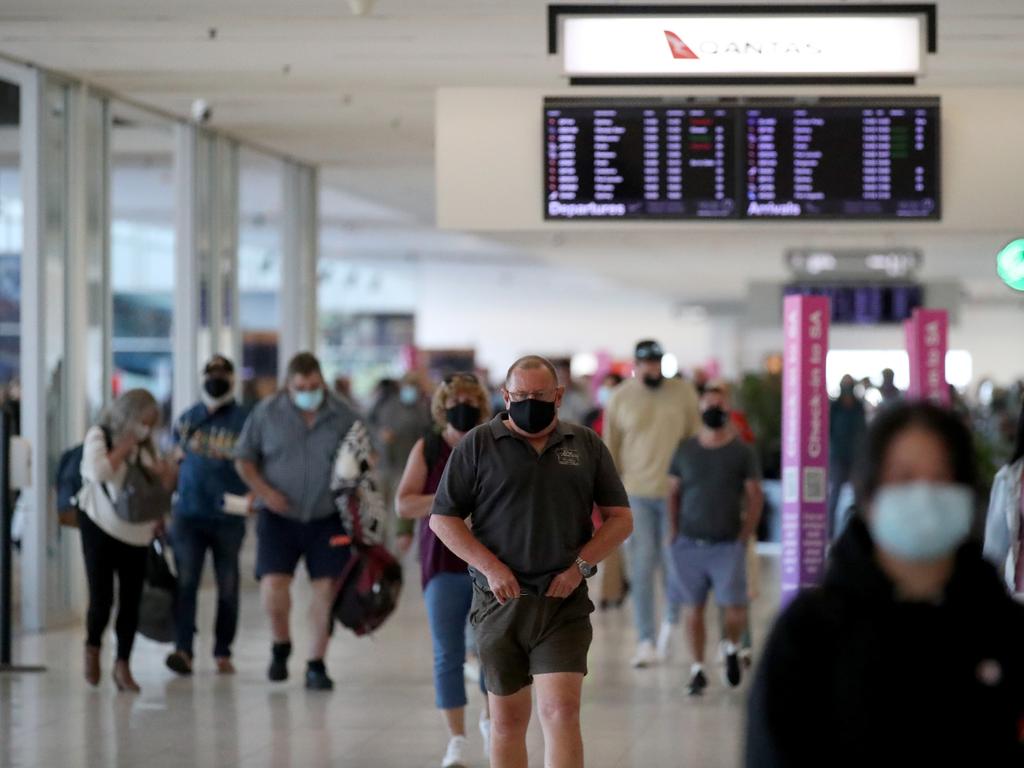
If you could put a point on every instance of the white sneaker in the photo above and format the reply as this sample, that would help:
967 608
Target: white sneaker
455 757
485 731
665 637
646 655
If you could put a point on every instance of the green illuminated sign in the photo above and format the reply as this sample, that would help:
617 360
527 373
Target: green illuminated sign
1010 264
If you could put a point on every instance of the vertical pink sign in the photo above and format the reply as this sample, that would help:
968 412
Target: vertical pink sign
805 413
927 334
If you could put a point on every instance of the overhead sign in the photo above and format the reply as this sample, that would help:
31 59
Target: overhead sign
840 45
881 263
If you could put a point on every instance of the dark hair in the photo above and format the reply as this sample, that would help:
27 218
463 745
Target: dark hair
889 424
531 362
614 377
304 364
1018 449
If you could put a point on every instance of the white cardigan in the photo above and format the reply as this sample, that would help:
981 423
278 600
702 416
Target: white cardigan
92 499
1002 528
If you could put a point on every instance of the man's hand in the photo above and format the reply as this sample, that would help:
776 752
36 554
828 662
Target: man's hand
404 543
565 583
503 583
276 501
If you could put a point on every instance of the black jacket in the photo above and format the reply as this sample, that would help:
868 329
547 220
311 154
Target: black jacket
851 677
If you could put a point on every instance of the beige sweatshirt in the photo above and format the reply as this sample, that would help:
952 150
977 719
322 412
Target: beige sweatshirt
643 427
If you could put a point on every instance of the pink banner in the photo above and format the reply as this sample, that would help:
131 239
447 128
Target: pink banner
927 334
805 413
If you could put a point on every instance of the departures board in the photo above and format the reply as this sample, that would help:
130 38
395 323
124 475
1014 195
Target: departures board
742 159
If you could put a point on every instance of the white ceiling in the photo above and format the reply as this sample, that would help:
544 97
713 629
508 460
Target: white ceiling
356 94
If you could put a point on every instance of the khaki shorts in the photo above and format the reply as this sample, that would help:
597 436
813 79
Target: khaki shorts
530 636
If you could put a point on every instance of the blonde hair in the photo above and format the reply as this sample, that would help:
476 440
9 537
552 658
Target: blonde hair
454 386
131 408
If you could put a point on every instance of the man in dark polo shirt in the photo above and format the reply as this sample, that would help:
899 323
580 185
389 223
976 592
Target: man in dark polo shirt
528 484
286 455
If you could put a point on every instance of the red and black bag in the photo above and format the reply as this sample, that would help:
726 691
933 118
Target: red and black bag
371 583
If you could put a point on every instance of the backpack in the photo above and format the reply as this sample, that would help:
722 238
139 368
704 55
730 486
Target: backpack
142 499
370 584
69 482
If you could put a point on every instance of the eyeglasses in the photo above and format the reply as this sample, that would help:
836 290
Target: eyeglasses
470 377
540 394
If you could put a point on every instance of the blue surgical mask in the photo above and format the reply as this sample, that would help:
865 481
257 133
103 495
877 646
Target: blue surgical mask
409 394
308 401
922 521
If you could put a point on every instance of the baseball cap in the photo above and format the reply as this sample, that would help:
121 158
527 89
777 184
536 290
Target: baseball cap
649 349
219 363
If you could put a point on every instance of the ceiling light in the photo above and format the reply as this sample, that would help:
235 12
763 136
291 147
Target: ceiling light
361 7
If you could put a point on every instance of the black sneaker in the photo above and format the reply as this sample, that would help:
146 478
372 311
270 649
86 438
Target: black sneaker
698 682
180 662
316 677
278 671
733 669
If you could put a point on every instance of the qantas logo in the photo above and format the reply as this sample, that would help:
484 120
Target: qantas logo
680 50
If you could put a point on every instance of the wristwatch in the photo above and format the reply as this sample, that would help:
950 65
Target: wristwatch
587 569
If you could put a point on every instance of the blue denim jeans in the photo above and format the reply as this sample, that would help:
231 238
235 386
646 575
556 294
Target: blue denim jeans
647 549
448 597
191 537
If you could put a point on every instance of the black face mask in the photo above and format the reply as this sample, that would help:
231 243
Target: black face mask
653 381
463 417
532 416
216 386
714 418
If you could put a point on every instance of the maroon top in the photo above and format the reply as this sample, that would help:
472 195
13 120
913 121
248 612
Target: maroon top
435 557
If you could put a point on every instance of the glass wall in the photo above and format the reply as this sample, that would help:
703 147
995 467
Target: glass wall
142 251
260 250
11 236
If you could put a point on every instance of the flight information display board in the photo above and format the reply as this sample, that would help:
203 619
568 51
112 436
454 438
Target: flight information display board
871 304
747 159
640 162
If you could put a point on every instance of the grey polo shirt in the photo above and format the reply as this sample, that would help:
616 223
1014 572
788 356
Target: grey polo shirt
533 511
296 459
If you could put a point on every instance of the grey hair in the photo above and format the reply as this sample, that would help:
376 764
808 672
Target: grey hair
129 409
531 362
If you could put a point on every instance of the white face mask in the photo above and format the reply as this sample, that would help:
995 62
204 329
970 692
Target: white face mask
922 521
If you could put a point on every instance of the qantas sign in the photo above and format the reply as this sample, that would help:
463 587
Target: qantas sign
743 45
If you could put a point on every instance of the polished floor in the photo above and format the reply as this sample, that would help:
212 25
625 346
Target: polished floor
380 715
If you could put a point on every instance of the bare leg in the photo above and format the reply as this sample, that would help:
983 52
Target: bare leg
735 623
275 591
324 592
696 632
510 717
558 703
456 721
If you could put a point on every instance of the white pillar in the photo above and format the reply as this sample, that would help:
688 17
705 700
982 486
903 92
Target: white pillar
299 262
185 328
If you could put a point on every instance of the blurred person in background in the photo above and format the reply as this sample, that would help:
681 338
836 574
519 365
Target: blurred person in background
1004 534
909 653
888 390
576 403
396 423
110 544
646 419
286 455
459 404
847 424
206 435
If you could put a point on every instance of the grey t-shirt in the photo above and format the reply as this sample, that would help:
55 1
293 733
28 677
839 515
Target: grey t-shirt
712 484
295 459
531 510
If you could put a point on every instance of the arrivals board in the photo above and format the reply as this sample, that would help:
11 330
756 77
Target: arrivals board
742 158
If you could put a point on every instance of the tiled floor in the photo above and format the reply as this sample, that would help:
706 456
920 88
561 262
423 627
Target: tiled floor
381 714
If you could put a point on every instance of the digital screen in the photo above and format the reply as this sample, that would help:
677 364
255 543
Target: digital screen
841 162
637 162
865 304
748 159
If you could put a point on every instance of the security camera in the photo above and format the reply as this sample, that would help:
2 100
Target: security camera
202 112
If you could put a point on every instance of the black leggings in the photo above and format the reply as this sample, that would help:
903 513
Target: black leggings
104 556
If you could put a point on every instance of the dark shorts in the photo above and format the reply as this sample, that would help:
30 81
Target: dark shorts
530 636
702 566
281 542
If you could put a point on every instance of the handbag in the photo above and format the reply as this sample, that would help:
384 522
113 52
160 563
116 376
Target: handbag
159 591
142 498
